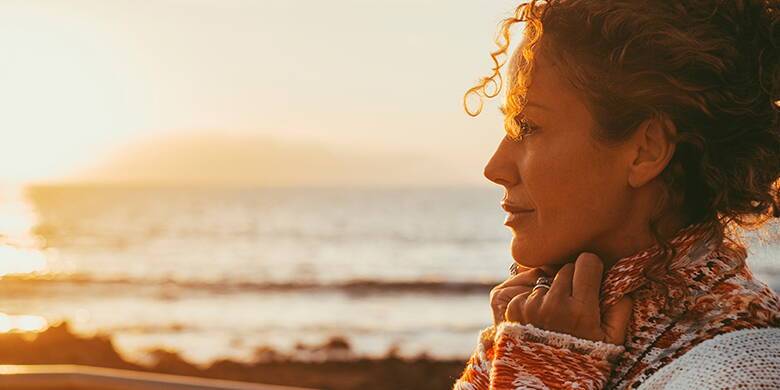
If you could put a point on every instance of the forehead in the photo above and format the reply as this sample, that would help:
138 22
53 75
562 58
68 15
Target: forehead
546 84
515 62
552 98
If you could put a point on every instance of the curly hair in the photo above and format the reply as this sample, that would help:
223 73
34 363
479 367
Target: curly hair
710 67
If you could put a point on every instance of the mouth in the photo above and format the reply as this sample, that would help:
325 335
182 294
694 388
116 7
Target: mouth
516 213
514 209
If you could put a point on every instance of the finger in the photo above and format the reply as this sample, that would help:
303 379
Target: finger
527 277
533 305
550 270
586 282
514 311
561 285
499 301
498 317
503 295
520 268
504 292
616 319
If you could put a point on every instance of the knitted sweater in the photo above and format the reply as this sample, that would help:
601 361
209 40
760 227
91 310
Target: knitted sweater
722 297
747 358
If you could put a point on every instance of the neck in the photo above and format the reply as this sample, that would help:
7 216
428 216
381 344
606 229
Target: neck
633 234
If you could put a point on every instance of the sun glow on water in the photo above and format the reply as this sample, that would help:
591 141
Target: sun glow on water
22 323
19 249
20 261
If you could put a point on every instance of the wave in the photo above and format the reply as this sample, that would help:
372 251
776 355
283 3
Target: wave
228 286
351 287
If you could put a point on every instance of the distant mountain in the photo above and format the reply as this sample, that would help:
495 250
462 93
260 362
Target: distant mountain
247 159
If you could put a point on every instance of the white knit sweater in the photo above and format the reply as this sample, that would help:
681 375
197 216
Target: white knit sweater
743 359
723 334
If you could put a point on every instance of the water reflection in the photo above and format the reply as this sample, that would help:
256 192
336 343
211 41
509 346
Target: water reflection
19 249
20 261
22 323
19 254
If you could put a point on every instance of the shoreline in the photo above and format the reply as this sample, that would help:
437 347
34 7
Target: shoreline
335 368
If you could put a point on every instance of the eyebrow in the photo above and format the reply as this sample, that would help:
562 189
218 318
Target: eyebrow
537 105
502 107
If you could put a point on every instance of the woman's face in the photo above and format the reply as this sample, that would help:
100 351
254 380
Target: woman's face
574 187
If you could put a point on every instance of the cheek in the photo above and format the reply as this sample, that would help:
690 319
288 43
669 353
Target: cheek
573 195
570 188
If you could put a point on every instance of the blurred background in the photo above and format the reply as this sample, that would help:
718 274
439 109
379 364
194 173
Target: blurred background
251 180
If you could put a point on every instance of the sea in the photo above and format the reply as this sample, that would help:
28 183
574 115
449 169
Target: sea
227 273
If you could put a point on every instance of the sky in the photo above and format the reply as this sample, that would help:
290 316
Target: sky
256 92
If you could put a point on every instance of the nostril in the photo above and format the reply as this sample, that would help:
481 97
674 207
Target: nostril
495 177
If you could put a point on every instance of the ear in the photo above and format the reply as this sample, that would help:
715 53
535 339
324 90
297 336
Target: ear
653 146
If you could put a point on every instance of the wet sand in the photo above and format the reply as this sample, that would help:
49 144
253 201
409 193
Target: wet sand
58 345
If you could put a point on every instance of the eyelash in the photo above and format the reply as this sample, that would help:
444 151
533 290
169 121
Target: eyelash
526 127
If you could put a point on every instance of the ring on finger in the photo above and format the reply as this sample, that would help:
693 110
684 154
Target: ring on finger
542 282
513 270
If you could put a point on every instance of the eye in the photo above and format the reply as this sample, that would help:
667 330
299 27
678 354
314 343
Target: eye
526 127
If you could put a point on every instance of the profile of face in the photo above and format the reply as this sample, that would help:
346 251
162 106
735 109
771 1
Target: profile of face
568 191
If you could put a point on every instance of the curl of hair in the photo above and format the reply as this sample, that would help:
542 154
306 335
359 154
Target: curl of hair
709 67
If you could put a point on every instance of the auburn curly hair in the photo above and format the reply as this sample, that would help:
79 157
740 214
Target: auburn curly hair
711 67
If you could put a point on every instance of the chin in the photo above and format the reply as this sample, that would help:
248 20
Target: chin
531 256
525 256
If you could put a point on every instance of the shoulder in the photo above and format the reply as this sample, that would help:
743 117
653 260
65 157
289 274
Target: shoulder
748 357
731 299
741 288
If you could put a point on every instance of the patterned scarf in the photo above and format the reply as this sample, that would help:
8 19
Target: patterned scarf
718 295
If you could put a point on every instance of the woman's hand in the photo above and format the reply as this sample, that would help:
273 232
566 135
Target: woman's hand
570 306
520 283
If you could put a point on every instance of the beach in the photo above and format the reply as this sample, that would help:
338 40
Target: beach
58 345
329 288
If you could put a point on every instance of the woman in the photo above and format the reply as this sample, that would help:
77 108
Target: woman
640 134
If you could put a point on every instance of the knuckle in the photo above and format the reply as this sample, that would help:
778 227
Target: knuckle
551 300
501 285
520 298
498 296
518 301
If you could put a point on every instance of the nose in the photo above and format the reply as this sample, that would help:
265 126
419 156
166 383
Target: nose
502 169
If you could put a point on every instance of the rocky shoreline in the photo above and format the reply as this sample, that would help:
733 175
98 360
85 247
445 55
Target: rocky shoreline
334 370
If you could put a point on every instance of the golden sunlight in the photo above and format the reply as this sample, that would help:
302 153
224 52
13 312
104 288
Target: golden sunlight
18 249
22 323
16 216
66 91
20 261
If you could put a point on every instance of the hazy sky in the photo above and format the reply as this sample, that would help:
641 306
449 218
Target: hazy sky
95 88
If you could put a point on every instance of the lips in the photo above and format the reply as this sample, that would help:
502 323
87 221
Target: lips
515 209
516 213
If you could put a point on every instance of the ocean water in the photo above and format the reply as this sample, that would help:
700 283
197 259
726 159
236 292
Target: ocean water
220 273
